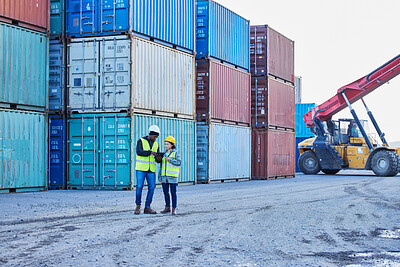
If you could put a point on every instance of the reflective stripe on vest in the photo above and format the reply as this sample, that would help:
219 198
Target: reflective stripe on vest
147 163
168 169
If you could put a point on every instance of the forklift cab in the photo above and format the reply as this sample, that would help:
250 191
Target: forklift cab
345 132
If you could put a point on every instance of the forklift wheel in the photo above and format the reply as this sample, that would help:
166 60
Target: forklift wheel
384 163
398 162
308 163
330 172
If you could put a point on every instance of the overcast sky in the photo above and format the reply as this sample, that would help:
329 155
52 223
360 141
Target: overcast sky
336 43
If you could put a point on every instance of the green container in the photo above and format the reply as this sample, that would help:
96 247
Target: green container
102 153
23 151
57 18
24 68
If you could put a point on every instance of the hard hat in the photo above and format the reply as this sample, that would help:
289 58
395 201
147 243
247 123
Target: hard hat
170 139
154 128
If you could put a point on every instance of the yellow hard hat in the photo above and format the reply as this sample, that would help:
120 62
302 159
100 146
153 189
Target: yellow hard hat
170 139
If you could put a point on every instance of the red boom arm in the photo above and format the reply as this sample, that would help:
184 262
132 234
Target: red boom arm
354 91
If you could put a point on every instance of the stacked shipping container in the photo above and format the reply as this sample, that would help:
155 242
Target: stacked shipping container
24 48
130 65
272 103
222 94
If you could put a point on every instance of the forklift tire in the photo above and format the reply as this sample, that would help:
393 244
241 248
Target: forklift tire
398 162
384 163
308 163
330 172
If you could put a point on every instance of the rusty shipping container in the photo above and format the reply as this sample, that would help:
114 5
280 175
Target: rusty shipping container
273 154
31 14
271 53
222 93
272 103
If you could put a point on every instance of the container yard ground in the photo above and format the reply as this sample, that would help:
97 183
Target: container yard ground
308 220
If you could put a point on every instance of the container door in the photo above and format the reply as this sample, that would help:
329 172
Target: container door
82 17
202 152
56 77
114 16
202 24
83 81
115 60
83 150
56 17
115 151
56 152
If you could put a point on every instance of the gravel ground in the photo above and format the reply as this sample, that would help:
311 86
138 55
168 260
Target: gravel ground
320 220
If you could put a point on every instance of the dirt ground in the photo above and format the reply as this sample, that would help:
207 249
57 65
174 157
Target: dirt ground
318 220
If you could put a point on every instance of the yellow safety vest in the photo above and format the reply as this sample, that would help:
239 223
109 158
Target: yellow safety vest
168 169
147 163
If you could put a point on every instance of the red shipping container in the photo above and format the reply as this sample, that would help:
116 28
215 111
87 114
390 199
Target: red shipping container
271 53
222 93
273 154
31 14
272 103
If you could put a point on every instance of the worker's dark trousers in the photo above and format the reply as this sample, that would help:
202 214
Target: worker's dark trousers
166 187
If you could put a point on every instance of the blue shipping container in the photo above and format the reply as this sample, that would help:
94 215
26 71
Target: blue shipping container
57 152
168 21
300 126
222 34
57 18
56 76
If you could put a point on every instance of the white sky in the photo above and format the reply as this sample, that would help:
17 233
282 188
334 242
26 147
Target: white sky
336 43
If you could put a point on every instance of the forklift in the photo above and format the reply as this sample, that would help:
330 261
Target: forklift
344 143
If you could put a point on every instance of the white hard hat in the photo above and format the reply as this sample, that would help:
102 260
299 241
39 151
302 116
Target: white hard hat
154 128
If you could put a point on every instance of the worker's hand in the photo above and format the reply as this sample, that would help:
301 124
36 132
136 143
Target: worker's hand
159 180
153 153
167 159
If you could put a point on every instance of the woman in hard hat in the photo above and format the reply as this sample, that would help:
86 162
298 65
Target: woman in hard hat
169 173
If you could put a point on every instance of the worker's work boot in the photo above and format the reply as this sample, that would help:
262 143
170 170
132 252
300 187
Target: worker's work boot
173 211
137 210
148 210
166 209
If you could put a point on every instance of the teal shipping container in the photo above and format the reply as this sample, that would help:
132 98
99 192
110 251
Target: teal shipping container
102 151
24 68
23 151
301 128
57 18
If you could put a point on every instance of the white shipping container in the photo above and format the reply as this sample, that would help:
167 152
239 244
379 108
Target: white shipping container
223 152
298 88
111 74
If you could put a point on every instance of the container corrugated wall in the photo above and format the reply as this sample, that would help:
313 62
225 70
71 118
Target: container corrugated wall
170 22
224 152
272 103
301 128
222 34
273 154
222 92
23 67
104 71
57 17
30 14
56 76
23 155
57 152
184 132
271 53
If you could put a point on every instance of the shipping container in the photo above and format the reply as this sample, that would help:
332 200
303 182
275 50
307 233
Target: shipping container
57 18
184 132
222 93
298 141
168 22
271 53
23 151
272 103
301 128
273 154
57 76
57 152
102 148
298 89
23 68
222 34
104 71
31 14
223 152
